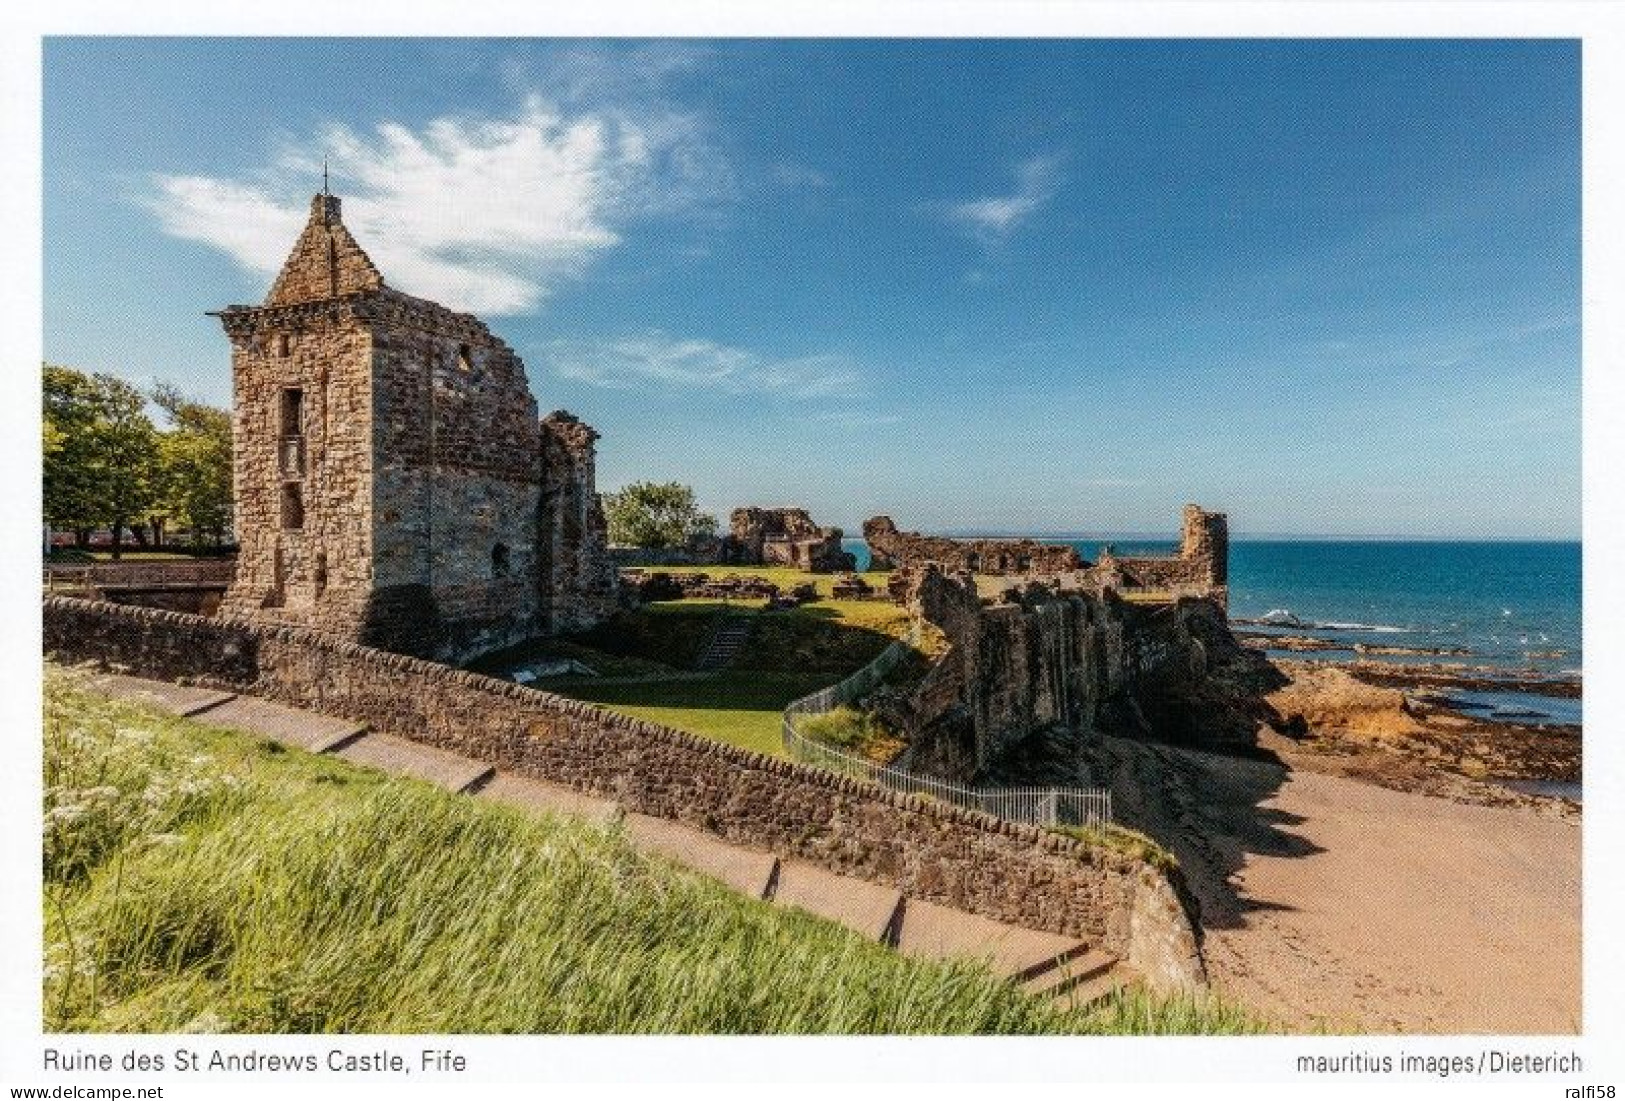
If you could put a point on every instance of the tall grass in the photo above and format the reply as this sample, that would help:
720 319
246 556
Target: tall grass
270 891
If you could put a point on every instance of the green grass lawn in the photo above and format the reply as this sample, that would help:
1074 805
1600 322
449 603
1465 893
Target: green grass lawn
202 881
743 707
646 662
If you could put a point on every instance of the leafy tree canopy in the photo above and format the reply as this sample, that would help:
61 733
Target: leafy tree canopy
656 515
108 466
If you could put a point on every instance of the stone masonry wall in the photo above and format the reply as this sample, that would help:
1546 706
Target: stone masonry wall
1199 569
1201 566
1080 662
456 472
926 850
577 573
1038 661
890 548
784 537
318 570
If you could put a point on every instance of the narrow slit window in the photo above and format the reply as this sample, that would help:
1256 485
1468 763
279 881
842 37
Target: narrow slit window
499 560
293 507
283 344
293 412
465 358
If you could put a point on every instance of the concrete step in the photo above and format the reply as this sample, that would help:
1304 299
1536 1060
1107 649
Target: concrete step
1062 976
452 771
177 699
937 932
865 907
301 729
1097 989
537 795
747 871
725 643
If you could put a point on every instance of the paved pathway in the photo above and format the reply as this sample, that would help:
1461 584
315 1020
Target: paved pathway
1042 963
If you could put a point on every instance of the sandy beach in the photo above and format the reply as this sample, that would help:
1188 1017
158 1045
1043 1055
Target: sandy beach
1333 903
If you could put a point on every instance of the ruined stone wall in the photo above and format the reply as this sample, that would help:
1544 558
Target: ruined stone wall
784 537
578 577
927 850
1038 661
1202 566
892 549
456 472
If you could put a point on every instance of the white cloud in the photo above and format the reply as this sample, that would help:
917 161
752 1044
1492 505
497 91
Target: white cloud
854 419
996 217
482 214
685 364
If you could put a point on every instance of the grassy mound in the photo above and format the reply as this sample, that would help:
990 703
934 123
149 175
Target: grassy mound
852 730
199 880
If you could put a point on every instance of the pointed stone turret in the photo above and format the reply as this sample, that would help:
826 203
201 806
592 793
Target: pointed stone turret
325 262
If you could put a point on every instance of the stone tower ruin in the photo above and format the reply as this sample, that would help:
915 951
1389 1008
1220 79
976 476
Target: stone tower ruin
393 484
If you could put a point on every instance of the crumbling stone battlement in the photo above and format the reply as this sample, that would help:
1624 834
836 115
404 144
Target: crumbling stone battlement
392 482
890 548
784 537
1201 568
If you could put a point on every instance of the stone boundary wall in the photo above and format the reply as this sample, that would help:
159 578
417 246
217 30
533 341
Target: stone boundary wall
890 548
943 854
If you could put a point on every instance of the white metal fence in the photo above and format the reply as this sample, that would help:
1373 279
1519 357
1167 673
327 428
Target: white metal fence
1036 806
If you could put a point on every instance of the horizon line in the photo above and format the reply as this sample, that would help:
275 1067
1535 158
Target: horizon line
1255 537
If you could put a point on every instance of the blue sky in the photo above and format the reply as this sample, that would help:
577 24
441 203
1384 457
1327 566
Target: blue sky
1331 287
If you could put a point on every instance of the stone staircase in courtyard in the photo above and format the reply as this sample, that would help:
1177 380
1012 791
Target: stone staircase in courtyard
1044 964
725 642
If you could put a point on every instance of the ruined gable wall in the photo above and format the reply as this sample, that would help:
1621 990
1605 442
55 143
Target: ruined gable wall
326 261
319 571
578 577
456 492
1200 568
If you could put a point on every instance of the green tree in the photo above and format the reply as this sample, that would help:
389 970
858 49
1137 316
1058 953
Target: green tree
100 453
194 465
657 515
69 414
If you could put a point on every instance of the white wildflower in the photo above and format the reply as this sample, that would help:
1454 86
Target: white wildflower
207 1021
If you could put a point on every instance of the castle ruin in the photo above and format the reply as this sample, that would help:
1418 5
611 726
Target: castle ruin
393 484
784 537
1200 568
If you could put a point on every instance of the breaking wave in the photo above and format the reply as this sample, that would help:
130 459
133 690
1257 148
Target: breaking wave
1284 617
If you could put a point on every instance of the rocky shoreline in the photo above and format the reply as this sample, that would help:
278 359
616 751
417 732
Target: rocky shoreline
1391 724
